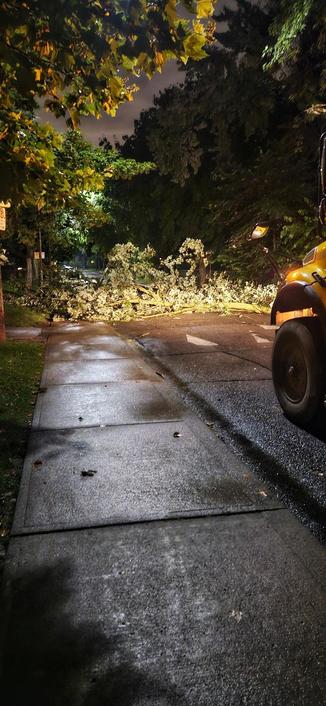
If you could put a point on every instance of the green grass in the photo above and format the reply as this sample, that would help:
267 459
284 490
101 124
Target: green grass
21 316
20 370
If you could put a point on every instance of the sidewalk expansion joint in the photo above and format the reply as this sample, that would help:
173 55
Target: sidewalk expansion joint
99 382
70 359
173 517
176 420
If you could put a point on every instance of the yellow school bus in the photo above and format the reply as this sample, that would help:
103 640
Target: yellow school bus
299 312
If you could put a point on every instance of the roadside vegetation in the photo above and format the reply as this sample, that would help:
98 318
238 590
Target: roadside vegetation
18 316
133 286
20 369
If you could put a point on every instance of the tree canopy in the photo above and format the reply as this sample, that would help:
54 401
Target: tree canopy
236 141
64 202
80 58
79 55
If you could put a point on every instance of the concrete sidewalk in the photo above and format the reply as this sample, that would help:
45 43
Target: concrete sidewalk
147 565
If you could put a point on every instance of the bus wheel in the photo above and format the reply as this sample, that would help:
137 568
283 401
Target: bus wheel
297 368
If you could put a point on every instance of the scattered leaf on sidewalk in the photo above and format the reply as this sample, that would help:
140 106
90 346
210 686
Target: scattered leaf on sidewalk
177 434
263 494
87 474
160 374
37 463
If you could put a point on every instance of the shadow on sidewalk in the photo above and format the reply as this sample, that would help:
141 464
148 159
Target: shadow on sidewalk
52 659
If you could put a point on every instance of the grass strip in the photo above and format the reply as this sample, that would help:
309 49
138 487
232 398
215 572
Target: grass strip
21 364
21 316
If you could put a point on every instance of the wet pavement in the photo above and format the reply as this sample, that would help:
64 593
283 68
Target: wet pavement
27 333
208 612
148 564
139 474
231 385
96 403
114 370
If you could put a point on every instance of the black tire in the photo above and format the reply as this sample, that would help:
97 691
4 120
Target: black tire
298 371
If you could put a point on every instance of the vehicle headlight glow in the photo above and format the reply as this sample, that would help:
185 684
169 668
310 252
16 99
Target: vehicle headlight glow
310 257
259 232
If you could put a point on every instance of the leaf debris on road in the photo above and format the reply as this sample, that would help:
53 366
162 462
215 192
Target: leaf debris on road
236 614
37 463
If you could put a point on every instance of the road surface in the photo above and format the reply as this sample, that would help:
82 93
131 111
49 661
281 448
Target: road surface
223 366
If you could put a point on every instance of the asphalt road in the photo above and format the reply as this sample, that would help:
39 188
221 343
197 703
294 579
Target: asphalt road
223 367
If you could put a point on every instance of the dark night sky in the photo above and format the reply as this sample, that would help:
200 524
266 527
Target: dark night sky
122 124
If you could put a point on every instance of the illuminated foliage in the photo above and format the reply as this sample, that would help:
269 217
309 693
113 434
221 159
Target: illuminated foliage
81 56
60 197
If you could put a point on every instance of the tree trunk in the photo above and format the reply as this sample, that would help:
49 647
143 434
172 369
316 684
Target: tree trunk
36 272
2 312
29 270
202 272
